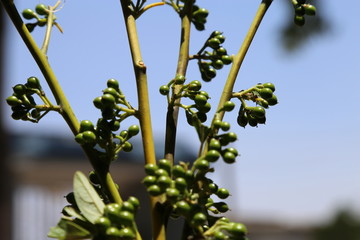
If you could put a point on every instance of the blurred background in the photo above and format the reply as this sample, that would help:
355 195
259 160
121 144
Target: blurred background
297 177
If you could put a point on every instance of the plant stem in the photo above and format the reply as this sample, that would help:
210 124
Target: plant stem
240 56
41 59
158 226
183 60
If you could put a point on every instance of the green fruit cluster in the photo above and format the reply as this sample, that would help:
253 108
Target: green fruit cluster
263 95
118 221
23 103
114 109
186 191
223 229
40 15
210 61
199 16
301 9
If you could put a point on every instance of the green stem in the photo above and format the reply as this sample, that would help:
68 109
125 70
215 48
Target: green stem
143 112
41 59
240 56
183 60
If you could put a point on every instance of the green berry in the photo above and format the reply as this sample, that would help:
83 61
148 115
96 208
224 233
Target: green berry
98 103
220 51
210 73
164 182
180 79
269 85
217 64
19 89
200 99
113 232
195 85
127 206
42 9
33 82
172 193
265 92
150 169
222 193
229 157
178 171
226 59
201 116
164 90
165 164
258 112
229 106
232 150
111 91
272 101
237 229
108 100
154 190
242 120
29 14
310 9
180 184
219 235
221 38
127 146
221 207
149 180
214 43
202 164
225 126
134 201
133 130
183 207
103 223
199 219
217 123
89 136
230 137
204 109
214 144
79 138
86 125
215 33
299 20
212 155
112 83
127 234
13 101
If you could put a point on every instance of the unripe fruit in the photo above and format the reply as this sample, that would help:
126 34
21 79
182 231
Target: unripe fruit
229 157
299 20
150 169
217 64
127 146
225 126
272 101
212 155
269 85
112 83
89 136
222 193
154 190
133 130
199 219
41 9
149 180
214 43
108 100
229 106
258 112
13 101
33 82
164 90
29 14
310 9
200 99
202 164
265 92
86 125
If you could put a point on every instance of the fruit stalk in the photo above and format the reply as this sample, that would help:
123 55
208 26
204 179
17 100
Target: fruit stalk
240 56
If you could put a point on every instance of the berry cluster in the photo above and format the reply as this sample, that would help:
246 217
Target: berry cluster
114 108
301 9
40 14
199 16
261 94
187 192
23 103
117 221
210 61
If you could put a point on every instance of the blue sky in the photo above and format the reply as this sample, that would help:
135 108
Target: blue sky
300 166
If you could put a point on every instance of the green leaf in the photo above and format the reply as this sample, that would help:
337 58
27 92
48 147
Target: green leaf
68 230
87 199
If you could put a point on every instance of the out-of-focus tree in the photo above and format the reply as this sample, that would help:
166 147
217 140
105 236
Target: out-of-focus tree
293 37
345 226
